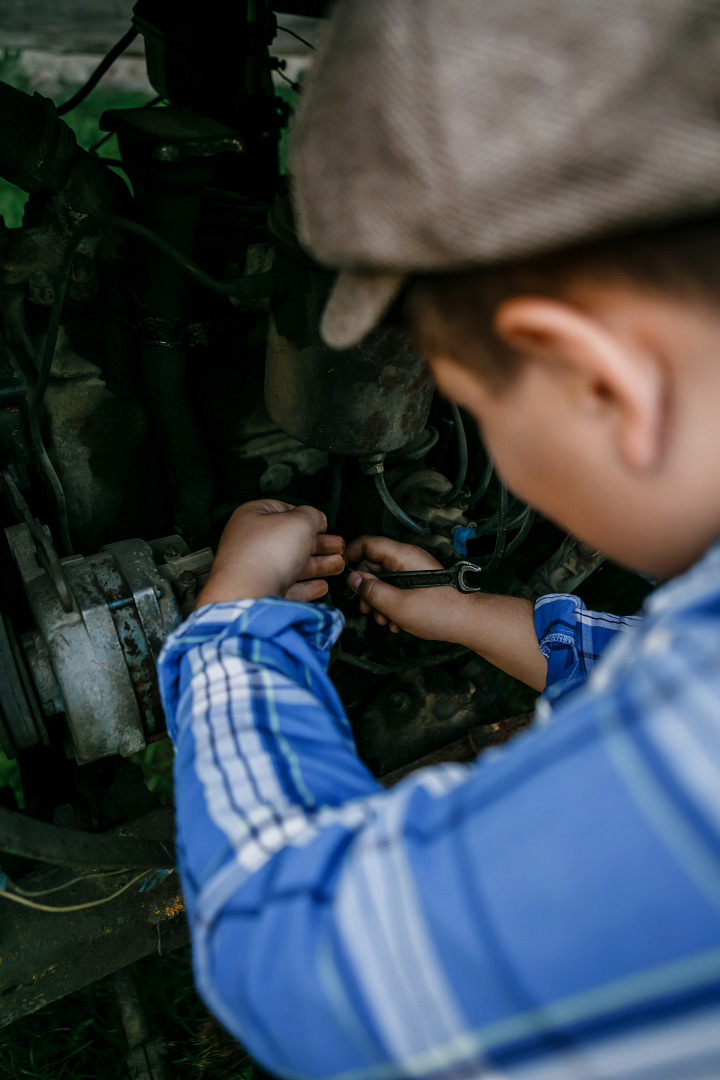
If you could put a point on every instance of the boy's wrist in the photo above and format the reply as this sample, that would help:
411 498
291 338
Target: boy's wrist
469 628
225 586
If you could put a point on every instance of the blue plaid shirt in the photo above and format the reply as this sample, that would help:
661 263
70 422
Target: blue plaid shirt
551 912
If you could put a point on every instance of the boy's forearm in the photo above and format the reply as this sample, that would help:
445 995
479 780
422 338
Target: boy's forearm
501 629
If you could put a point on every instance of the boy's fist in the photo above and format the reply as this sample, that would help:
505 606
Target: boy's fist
271 548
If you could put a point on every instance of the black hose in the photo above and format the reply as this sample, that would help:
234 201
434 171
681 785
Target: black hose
287 30
445 500
225 288
105 64
395 510
483 485
490 525
528 518
500 533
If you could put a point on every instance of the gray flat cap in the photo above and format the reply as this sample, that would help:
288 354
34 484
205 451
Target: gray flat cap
441 134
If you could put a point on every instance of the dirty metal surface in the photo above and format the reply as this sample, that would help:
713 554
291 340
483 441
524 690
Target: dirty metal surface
371 399
102 647
23 835
466 749
44 956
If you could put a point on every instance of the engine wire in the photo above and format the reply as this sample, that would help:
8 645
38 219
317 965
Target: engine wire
490 525
293 85
528 519
483 485
462 446
105 64
286 30
26 902
30 893
395 510
500 532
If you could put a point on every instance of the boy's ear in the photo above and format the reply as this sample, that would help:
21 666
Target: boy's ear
619 378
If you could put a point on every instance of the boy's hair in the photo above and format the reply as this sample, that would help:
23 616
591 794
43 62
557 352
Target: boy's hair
451 314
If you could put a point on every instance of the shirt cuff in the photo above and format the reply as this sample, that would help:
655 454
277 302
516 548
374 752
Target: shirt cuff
271 631
556 627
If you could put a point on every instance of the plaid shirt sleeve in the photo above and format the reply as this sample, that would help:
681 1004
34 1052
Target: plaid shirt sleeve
572 639
551 913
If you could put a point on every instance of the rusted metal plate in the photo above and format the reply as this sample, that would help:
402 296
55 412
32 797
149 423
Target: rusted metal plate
44 955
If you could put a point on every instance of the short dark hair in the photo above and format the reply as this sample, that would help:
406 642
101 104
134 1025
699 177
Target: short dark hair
452 313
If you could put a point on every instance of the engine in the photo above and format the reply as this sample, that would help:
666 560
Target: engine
160 362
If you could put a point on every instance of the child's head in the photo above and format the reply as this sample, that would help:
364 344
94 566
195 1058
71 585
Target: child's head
539 176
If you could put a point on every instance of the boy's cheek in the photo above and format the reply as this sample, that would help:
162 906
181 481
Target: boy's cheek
532 433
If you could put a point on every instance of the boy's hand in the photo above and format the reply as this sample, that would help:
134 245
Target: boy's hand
271 548
436 614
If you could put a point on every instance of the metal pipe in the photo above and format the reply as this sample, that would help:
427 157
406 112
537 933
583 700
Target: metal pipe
42 842
394 509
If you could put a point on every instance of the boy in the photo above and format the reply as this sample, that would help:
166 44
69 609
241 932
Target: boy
541 167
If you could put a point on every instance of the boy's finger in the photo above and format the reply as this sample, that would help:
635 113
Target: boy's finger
315 516
390 554
305 591
329 544
264 506
381 597
319 566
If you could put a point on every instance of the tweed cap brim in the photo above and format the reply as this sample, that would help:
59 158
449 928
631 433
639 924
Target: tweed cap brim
440 134
357 302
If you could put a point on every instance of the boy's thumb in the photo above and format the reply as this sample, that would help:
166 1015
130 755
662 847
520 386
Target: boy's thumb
377 593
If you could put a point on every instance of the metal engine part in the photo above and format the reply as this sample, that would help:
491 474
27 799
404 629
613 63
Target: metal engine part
371 399
93 651
184 375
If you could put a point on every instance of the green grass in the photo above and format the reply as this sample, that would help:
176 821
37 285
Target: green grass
81 1037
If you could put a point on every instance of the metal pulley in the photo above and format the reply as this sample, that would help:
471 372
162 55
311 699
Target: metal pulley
94 658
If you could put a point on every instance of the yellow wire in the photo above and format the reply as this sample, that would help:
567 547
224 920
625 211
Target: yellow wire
70 907
66 884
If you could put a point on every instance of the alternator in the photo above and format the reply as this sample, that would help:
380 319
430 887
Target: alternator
100 624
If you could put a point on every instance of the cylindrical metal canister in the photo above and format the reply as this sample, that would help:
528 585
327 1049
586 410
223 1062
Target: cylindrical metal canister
371 399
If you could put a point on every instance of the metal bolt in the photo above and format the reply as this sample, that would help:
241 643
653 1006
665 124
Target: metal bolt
444 708
41 288
171 552
187 578
399 701
167 152
64 814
